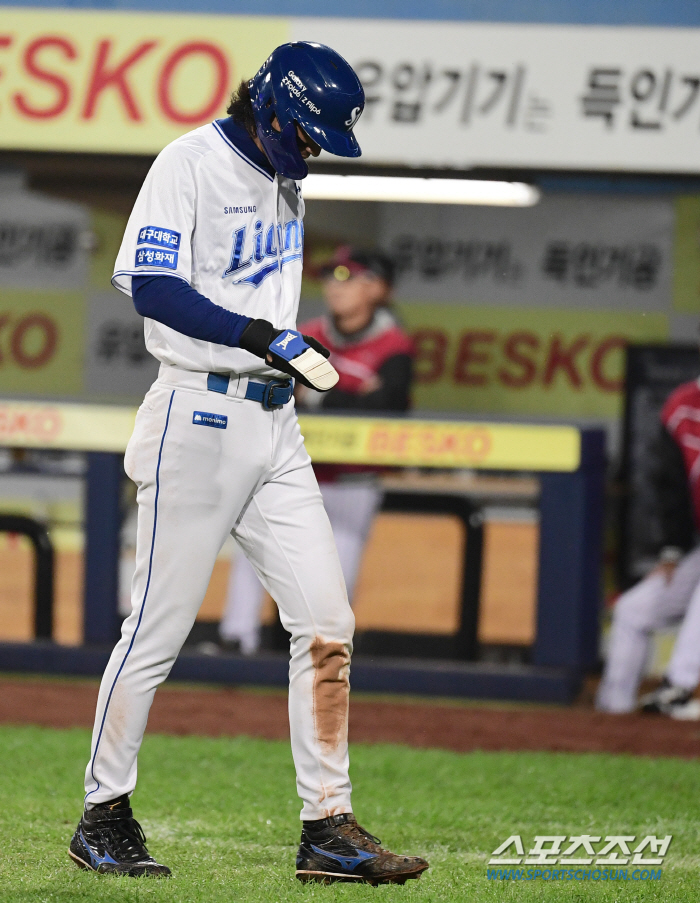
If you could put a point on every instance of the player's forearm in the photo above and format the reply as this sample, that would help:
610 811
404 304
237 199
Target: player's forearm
176 304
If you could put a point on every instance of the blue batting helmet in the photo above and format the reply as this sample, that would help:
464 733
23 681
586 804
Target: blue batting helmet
311 85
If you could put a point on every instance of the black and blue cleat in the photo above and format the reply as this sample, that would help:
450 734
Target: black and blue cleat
338 849
109 840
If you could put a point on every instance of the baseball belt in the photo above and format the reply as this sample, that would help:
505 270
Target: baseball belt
271 394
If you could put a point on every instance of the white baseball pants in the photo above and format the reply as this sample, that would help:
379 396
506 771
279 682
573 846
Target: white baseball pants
351 507
651 605
196 484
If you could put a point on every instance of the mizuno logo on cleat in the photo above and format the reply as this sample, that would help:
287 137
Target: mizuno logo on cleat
349 863
95 860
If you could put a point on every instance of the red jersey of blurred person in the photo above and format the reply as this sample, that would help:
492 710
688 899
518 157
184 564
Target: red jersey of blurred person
369 349
358 363
681 417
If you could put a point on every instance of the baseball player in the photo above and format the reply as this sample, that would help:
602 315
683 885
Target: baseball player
671 592
373 357
212 257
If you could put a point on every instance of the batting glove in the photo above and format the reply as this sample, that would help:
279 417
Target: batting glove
301 356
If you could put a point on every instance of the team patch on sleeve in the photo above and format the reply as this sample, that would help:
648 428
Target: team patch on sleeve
149 257
156 235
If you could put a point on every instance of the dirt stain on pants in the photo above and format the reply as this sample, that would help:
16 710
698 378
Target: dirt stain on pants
331 663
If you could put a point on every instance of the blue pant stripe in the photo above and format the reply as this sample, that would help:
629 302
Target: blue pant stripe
143 604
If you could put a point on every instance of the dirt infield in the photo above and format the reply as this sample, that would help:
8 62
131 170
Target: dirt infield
457 726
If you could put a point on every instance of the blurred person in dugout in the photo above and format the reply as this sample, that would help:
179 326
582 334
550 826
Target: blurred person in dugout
670 594
373 356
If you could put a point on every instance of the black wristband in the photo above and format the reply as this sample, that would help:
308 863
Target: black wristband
258 336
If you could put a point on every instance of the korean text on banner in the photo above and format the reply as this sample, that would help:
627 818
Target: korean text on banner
467 94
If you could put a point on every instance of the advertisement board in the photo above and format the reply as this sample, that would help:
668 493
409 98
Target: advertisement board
528 311
439 94
121 82
348 440
531 361
587 251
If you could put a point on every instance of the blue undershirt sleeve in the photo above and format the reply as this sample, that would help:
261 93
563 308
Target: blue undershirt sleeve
176 304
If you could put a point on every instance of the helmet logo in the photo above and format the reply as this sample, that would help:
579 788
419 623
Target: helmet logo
311 105
294 85
295 78
296 88
354 116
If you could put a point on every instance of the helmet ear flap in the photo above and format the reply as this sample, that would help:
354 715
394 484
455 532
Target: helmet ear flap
280 146
283 151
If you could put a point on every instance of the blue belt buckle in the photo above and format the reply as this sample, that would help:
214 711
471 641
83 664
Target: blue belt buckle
276 399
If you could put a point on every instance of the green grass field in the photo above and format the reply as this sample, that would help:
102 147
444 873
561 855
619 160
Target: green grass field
224 815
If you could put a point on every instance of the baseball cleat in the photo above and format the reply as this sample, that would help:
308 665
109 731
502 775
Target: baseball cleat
676 702
338 849
109 840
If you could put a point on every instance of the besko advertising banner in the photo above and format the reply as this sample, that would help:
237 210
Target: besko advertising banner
453 94
121 82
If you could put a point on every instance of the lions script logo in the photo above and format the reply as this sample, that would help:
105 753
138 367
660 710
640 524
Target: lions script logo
204 418
270 248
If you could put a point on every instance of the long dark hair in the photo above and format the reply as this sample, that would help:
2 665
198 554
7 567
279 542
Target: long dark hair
240 108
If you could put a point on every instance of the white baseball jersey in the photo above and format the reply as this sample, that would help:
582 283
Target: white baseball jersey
210 216
207 465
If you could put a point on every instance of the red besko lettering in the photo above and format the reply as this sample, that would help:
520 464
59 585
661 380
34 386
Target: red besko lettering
514 353
681 417
431 354
469 355
612 344
38 71
6 41
103 76
563 358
